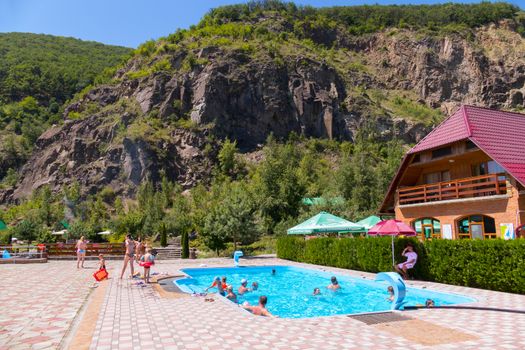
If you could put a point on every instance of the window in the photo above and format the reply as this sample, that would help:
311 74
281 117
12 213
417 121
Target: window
427 228
477 226
416 159
470 145
441 152
485 168
438 176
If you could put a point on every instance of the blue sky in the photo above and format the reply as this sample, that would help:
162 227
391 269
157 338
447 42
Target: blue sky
128 22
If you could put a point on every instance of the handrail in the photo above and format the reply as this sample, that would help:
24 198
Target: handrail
475 186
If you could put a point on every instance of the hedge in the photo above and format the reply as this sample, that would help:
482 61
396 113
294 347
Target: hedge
488 264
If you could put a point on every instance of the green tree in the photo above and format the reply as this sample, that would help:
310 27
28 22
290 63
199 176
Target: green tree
227 157
185 242
232 218
163 235
277 183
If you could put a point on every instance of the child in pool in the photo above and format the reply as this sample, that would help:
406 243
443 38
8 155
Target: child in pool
391 293
231 295
147 261
317 291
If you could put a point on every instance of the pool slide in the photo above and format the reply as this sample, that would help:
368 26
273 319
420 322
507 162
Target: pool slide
395 280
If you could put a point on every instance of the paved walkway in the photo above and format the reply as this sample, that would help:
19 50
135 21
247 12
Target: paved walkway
38 303
136 317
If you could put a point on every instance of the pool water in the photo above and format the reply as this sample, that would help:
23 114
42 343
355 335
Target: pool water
290 291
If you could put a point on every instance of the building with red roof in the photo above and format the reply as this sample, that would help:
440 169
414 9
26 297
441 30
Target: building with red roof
465 179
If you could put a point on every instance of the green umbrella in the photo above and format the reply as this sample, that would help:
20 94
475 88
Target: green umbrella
369 222
325 223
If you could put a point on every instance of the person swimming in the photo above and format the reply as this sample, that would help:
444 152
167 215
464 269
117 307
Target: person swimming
231 295
217 284
317 291
255 286
259 310
243 289
273 272
391 293
430 303
334 285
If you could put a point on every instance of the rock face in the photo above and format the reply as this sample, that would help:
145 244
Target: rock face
171 121
83 151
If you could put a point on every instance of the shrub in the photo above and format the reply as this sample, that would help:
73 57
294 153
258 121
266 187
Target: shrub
491 264
163 235
185 245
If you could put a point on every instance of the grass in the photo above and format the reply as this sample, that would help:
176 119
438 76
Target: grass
403 104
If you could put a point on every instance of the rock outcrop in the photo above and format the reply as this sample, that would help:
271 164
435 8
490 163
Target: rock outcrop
171 121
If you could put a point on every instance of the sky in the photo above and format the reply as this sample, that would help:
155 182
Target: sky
131 22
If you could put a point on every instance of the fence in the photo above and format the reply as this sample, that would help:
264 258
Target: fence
93 249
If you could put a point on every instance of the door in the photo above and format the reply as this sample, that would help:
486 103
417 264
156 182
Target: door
427 231
476 230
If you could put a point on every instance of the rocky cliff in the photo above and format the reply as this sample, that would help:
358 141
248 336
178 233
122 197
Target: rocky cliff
167 109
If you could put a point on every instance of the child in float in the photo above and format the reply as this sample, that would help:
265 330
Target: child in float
147 261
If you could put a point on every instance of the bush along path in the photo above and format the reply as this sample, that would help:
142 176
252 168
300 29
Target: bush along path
491 264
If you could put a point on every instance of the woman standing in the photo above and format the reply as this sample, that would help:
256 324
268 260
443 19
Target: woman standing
81 251
129 256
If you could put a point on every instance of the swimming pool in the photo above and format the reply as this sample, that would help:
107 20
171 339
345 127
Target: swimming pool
290 291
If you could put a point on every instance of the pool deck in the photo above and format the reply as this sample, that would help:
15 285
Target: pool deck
53 306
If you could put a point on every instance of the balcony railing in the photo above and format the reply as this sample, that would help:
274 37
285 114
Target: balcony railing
470 187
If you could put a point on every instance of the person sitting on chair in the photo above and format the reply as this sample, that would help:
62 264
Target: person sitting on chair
411 256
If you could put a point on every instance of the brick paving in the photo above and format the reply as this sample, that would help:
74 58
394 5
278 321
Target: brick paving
38 303
137 317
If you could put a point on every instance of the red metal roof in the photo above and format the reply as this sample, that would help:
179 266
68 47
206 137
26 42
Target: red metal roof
501 135
452 129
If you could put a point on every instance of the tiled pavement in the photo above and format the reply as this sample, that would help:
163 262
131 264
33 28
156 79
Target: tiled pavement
135 317
38 303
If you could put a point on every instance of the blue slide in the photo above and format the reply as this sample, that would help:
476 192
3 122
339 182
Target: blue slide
395 280
236 256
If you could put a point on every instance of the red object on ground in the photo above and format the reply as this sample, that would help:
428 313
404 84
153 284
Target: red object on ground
100 275
391 228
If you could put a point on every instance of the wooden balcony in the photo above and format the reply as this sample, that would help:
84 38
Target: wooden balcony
470 187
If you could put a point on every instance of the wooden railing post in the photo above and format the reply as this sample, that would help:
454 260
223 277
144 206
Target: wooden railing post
439 190
497 183
425 194
457 188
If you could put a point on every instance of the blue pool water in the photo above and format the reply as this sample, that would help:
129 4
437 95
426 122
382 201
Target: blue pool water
290 291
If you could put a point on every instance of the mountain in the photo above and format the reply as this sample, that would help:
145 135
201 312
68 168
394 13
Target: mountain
38 74
248 71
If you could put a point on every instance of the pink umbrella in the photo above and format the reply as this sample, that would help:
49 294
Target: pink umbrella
391 228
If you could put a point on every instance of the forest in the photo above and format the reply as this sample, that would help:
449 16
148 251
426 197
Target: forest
38 75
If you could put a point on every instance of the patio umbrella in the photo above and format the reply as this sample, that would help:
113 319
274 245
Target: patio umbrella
369 222
59 233
324 223
391 228
104 233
